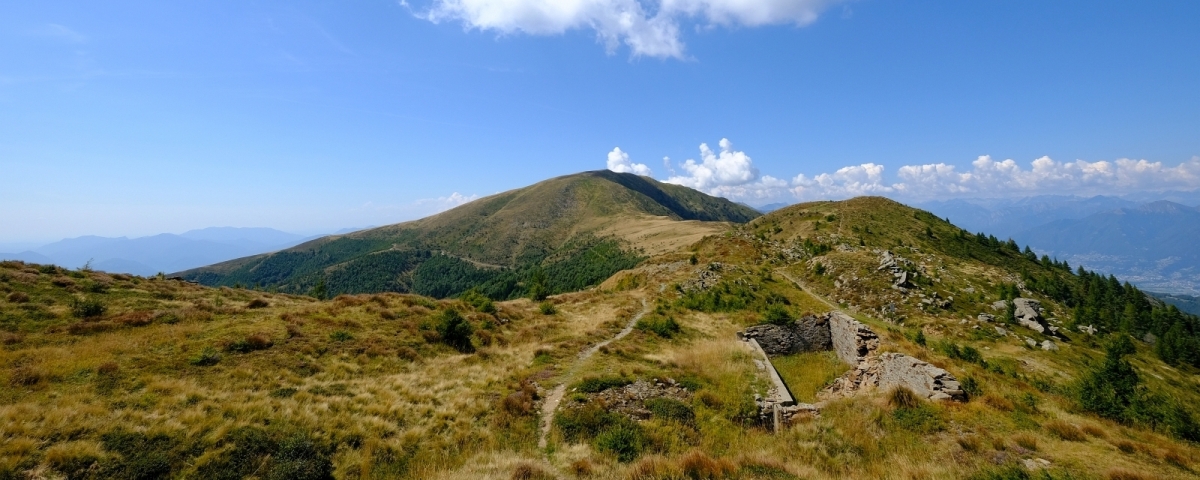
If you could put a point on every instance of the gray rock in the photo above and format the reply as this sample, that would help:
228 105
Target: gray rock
1029 314
1049 346
1088 329
922 378
999 305
1031 342
1001 331
986 317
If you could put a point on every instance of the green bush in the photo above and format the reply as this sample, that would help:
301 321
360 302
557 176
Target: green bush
87 308
670 409
625 440
971 387
777 314
665 327
594 384
586 422
455 331
341 336
547 308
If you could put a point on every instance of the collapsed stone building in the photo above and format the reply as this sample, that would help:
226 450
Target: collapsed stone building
854 343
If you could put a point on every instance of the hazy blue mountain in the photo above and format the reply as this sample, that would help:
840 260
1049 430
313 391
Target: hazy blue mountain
1005 217
244 236
1152 245
161 253
771 207
1187 303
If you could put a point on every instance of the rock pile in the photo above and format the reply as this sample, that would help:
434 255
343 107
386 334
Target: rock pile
900 278
630 400
850 338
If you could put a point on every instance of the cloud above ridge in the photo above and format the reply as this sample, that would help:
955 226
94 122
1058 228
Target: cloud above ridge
732 174
648 27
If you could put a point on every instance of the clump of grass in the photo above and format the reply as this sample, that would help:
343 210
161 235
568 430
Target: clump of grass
698 465
582 467
547 308
670 409
1026 441
969 443
18 297
283 392
1094 431
625 440
663 326
341 336
1118 473
1125 446
764 467
408 353
530 471
257 303
1180 460
903 397
1065 431
257 341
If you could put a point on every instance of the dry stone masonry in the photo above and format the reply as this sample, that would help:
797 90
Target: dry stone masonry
855 344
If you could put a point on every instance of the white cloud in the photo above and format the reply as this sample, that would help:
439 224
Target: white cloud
728 169
1004 178
617 22
619 162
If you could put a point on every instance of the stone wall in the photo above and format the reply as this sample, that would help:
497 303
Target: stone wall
852 340
808 334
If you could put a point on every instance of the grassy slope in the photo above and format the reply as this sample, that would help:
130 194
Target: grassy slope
540 223
459 405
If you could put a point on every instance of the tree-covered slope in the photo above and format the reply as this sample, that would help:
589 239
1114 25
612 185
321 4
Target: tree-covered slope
556 235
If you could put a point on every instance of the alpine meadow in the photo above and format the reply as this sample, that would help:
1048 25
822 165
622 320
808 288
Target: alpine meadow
599 240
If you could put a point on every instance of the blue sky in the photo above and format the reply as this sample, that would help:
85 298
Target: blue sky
134 118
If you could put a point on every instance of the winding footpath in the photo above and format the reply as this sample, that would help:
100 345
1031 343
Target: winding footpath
556 395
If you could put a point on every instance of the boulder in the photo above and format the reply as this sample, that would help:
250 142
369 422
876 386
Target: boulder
1049 346
1001 331
922 378
986 317
1029 314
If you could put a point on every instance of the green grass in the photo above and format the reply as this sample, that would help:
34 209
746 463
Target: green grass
807 373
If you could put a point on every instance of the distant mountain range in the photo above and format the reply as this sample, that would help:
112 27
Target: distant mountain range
1148 243
161 253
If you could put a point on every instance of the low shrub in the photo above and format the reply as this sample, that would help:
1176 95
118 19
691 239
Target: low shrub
777 314
665 327
1026 441
597 384
258 303
408 353
87 308
206 358
257 341
547 308
455 331
341 336
18 297
625 440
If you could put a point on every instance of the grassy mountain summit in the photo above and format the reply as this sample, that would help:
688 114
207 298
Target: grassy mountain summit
561 234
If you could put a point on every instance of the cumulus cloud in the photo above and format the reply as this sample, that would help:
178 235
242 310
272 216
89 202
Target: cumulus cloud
647 27
619 162
728 169
988 177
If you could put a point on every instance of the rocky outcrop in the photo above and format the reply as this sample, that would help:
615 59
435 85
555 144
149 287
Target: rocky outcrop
808 334
852 340
1028 313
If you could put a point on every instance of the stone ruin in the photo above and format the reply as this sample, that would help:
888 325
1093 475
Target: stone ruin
855 344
